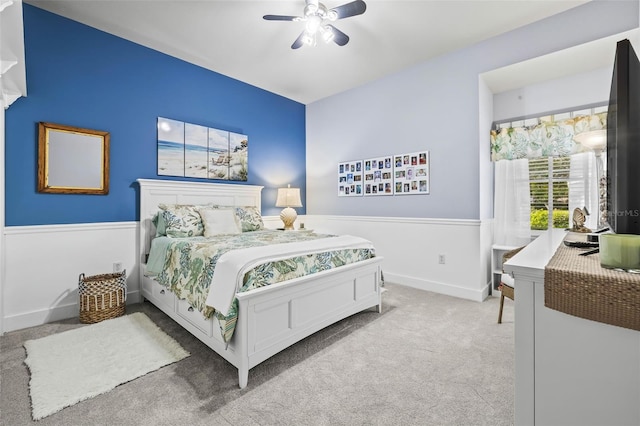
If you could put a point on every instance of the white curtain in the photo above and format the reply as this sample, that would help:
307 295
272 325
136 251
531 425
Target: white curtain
512 203
583 188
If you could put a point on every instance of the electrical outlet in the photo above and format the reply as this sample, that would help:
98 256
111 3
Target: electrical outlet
441 259
117 266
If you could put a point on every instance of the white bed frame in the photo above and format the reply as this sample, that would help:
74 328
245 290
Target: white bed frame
270 318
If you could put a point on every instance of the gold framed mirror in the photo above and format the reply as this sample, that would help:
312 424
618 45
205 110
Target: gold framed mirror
72 160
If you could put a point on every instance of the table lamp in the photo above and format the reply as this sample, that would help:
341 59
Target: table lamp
288 197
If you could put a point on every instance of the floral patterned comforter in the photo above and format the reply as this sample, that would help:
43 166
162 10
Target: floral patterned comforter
188 265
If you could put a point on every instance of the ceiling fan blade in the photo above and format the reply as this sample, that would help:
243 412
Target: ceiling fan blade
339 37
296 44
350 9
280 18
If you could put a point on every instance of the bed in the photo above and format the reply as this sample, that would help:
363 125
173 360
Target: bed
267 319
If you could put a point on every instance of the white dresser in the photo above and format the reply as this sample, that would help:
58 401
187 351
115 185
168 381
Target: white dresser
569 370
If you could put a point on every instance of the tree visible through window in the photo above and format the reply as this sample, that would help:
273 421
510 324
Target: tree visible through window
549 187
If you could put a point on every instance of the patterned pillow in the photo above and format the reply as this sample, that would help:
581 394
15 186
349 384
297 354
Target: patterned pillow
182 220
250 218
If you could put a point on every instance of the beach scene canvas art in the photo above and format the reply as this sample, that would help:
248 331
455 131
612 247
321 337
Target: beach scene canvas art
238 156
195 150
218 154
170 147
192 150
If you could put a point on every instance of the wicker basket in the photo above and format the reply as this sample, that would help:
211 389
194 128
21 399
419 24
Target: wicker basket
102 296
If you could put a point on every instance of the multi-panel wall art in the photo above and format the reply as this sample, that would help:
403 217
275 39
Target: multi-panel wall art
400 174
191 150
378 176
412 173
350 179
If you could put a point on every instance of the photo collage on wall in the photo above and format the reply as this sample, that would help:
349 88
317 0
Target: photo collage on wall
400 174
378 176
350 179
412 173
191 150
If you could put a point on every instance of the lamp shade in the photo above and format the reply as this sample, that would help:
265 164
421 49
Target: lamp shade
288 197
595 140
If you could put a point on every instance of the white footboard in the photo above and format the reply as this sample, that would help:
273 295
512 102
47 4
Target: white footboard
275 317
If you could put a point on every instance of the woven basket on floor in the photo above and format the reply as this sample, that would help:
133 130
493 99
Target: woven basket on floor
102 296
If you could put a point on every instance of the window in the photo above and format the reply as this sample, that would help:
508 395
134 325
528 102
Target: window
549 188
563 180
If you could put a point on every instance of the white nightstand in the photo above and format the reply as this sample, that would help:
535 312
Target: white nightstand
296 230
497 251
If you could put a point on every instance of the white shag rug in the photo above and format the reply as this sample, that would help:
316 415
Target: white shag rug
78 364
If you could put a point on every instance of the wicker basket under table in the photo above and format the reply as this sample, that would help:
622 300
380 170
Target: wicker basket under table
102 297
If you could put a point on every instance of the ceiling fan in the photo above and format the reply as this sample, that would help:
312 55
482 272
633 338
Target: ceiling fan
318 22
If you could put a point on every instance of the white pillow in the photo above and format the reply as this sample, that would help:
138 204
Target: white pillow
219 222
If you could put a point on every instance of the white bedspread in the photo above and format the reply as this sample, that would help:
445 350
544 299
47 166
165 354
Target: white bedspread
231 266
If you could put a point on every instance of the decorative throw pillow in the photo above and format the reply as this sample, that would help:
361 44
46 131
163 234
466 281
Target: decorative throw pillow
161 226
182 220
219 222
250 218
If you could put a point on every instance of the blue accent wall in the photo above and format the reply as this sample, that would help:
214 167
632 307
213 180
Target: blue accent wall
83 77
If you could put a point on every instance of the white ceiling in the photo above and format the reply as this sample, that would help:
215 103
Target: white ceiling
231 38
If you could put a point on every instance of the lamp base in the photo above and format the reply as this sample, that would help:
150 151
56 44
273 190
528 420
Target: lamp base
288 216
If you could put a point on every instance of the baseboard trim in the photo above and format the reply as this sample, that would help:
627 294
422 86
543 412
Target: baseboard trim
56 313
436 287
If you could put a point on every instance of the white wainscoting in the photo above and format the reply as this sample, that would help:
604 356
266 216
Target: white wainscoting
43 262
411 248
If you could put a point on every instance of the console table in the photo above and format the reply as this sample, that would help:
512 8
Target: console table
568 370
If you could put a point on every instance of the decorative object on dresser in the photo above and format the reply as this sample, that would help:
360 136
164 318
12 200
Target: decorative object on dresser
269 317
288 197
78 364
620 251
579 217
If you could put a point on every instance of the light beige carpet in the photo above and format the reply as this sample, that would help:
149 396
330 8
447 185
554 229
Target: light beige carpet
78 364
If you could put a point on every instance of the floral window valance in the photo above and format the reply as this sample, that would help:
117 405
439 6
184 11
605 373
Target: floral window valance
548 138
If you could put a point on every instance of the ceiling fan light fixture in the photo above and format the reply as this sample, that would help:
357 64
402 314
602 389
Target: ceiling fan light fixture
318 18
310 9
327 33
309 39
313 24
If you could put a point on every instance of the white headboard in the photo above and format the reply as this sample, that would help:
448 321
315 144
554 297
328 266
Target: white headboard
156 191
